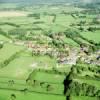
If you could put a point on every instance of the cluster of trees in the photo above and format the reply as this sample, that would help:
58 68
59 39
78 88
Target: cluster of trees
54 19
1 46
71 33
92 48
18 33
54 16
33 82
74 34
81 23
47 86
21 34
13 97
35 15
72 87
92 29
58 43
83 89
4 33
11 24
37 29
39 22
56 39
96 20
79 68
53 71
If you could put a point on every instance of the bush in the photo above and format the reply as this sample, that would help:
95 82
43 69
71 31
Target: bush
1 46
7 61
13 96
35 15
49 88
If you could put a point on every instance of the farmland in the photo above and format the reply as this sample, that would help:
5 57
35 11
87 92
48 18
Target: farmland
11 14
49 52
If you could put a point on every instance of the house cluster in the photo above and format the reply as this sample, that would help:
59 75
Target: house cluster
93 58
41 49
68 57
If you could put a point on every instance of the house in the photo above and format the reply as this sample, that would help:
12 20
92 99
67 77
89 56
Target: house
18 42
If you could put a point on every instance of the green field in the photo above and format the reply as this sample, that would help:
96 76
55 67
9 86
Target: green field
8 50
3 38
5 95
95 36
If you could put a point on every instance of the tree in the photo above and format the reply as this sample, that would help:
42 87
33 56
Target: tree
54 19
73 69
13 97
49 88
72 33
69 97
91 29
1 46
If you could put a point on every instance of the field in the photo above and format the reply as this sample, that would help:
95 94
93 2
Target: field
4 95
22 66
7 48
3 38
12 14
92 36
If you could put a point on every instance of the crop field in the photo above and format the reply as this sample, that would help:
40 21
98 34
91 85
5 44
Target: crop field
11 14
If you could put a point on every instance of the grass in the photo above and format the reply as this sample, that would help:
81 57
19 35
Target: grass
23 65
83 98
64 19
3 38
18 68
95 83
95 36
5 95
70 42
8 50
51 78
7 27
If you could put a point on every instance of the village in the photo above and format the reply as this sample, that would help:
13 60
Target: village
69 55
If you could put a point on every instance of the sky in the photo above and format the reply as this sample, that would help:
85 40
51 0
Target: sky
84 1
87 1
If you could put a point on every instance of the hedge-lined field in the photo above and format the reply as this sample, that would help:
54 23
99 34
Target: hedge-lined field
8 50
